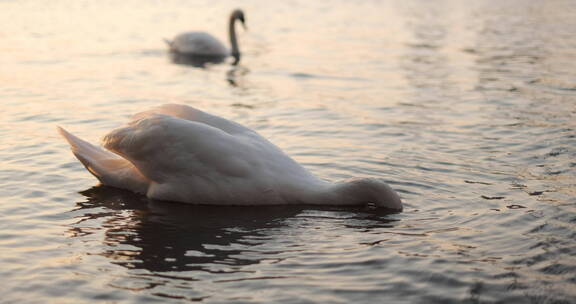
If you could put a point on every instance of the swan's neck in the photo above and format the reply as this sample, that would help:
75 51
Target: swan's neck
235 51
355 192
325 193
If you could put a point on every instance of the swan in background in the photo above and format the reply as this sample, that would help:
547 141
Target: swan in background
178 153
201 44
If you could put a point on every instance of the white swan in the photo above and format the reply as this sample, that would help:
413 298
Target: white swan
178 153
205 45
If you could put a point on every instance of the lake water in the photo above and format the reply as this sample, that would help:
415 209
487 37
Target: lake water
468 109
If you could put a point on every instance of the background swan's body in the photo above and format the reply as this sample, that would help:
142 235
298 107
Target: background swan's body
198 44
205 45
178 153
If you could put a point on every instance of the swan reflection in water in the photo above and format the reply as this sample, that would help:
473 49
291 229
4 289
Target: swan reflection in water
163 236
234 76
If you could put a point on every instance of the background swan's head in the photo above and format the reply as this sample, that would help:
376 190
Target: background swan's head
238 14
371 191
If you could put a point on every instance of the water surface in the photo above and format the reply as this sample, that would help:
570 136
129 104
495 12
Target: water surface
467 109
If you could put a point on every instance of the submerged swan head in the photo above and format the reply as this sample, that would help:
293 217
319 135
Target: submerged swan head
365 191
237 14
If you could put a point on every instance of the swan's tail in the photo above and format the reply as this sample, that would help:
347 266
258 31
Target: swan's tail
168 42
109 168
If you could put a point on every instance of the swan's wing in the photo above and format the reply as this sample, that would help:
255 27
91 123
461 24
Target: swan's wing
192 114
192 156
107 167
190 161
243 134
167 149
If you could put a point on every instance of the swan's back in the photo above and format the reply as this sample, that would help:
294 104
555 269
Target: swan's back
193 114
198 44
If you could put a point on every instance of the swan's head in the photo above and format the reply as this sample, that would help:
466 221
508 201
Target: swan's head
238 14
366 191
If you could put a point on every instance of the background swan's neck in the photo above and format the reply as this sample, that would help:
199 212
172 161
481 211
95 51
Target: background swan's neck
235 51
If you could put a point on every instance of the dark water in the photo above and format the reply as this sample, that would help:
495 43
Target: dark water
466 108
